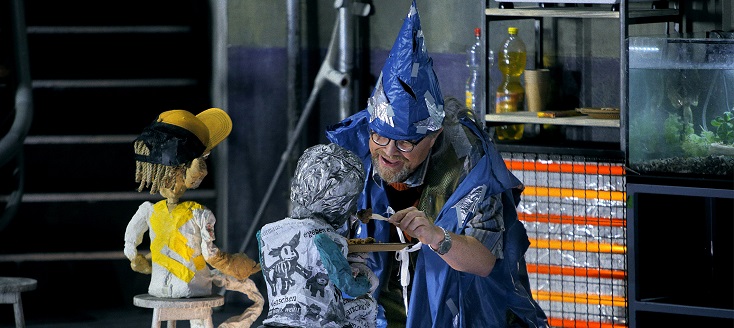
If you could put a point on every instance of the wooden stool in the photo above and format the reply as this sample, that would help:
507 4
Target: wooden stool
10 289
173 309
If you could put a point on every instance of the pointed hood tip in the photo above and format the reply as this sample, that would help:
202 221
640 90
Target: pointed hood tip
407 102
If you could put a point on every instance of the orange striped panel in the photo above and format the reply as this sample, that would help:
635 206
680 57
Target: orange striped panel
605 169
619 196
588 299
567 323
569 219
579 246
576 271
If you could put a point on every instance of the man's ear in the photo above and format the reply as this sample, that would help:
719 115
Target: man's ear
435 135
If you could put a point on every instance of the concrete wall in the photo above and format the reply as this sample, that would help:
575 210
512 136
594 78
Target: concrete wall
257 82
585 50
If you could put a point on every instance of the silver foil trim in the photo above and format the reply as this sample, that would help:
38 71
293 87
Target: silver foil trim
419 35
378 105
435 118
469 204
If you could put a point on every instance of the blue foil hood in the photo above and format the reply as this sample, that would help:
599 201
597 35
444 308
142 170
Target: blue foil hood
407 102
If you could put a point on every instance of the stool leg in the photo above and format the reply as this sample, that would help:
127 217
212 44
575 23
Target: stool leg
18 308
156 319
204 321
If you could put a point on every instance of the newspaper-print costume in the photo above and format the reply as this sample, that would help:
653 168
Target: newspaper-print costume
303 257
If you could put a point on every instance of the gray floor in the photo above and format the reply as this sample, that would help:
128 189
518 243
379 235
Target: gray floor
122 318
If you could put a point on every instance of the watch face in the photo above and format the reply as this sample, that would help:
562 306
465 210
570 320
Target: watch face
444 248
445 245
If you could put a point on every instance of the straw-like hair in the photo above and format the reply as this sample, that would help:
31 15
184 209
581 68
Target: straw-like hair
155 176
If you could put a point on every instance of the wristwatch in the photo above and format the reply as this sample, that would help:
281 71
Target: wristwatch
445 245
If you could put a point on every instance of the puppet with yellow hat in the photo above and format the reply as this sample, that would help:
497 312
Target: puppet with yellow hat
170 157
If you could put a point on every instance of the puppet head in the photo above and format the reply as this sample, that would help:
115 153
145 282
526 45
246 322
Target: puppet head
166 148
326 184
407 103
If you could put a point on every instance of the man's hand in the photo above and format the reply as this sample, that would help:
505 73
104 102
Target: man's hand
467 254
415 223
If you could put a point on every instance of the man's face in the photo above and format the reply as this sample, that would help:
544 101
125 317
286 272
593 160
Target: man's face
394 165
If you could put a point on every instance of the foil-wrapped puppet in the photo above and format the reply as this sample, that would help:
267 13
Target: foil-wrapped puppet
170 158
305 261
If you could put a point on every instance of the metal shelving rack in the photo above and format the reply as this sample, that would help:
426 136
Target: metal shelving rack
607 303
618 10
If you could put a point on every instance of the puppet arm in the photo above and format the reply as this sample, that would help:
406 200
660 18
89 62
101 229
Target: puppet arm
237 265
141 264
134 233
340 272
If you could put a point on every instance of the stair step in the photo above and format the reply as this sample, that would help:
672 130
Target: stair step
75 256
152 29
116 83
79 139
110 196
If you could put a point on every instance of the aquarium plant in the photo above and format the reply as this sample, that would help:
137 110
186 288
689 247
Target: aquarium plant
724 125
699 144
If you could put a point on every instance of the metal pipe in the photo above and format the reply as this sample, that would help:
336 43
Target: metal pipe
326 73
11 145
12 142
345 60
218 92
294 75
623 74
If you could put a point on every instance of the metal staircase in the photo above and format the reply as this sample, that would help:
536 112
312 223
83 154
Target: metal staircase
99 73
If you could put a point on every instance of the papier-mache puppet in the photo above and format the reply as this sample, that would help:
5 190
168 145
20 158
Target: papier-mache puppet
311 278
170 157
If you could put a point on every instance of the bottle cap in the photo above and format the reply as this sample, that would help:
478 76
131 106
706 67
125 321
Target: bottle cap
512 30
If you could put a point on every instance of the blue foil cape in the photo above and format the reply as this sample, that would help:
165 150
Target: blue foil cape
504 298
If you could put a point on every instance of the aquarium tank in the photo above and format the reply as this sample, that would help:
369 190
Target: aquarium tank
681 107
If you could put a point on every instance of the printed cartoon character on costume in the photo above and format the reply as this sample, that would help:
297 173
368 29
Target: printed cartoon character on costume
305 261
170 158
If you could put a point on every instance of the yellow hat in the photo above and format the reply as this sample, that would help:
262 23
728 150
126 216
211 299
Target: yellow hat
210 126
177 137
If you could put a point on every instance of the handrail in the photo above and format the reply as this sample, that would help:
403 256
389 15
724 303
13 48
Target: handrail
11 145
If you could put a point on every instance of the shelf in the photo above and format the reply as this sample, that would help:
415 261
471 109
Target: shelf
661 15
684 309
532 118
653 228
602 152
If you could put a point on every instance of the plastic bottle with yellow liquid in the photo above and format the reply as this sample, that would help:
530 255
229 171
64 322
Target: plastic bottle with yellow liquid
510 93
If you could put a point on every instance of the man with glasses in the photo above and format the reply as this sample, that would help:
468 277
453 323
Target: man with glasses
435 174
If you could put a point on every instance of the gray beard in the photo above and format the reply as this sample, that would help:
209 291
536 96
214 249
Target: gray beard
390 177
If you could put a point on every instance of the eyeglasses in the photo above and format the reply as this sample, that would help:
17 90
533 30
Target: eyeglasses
405 146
